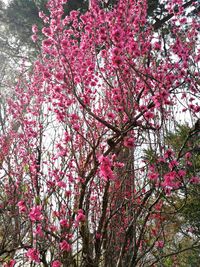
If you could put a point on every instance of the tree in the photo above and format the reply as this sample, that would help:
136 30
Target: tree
104 90
20 15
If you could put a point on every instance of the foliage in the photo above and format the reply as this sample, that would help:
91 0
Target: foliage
184 141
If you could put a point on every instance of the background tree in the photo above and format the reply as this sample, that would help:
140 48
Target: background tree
181 211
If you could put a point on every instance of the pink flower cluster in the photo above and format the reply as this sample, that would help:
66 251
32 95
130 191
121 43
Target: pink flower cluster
159 244
35 214
64 223
129 142
11 263
22 206
65 246
170 181
80 216
106 168
33 255
56 263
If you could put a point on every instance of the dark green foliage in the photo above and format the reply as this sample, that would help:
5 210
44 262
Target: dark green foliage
191 211
152 6
21 15
81 5
177 138
150 156
186 139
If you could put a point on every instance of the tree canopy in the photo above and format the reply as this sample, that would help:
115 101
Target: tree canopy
99 159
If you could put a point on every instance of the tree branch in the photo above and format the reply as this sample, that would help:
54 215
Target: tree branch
159 23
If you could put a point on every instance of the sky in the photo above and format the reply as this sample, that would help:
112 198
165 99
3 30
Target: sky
6 1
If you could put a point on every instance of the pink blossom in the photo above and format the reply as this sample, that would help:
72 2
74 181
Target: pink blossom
61 184
149 115
169 177
47 42
153 176
80 217
129 142
116 51
100 75
188 155
11 263
35 214
43 16
47 31
59 76
39 231
98 235
34 28
76 127
111 115
116 34
105 168
181 173
117 61
170 182
159 244
33 255
172 164
65 246
194 180
119 164
157 46
64 223
21 205
68 193
34 38
47 74
65 43
74 14
168 153
56 263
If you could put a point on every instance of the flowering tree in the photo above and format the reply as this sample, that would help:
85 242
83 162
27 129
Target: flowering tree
88 175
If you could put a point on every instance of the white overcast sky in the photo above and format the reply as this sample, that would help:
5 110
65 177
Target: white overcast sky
6 1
